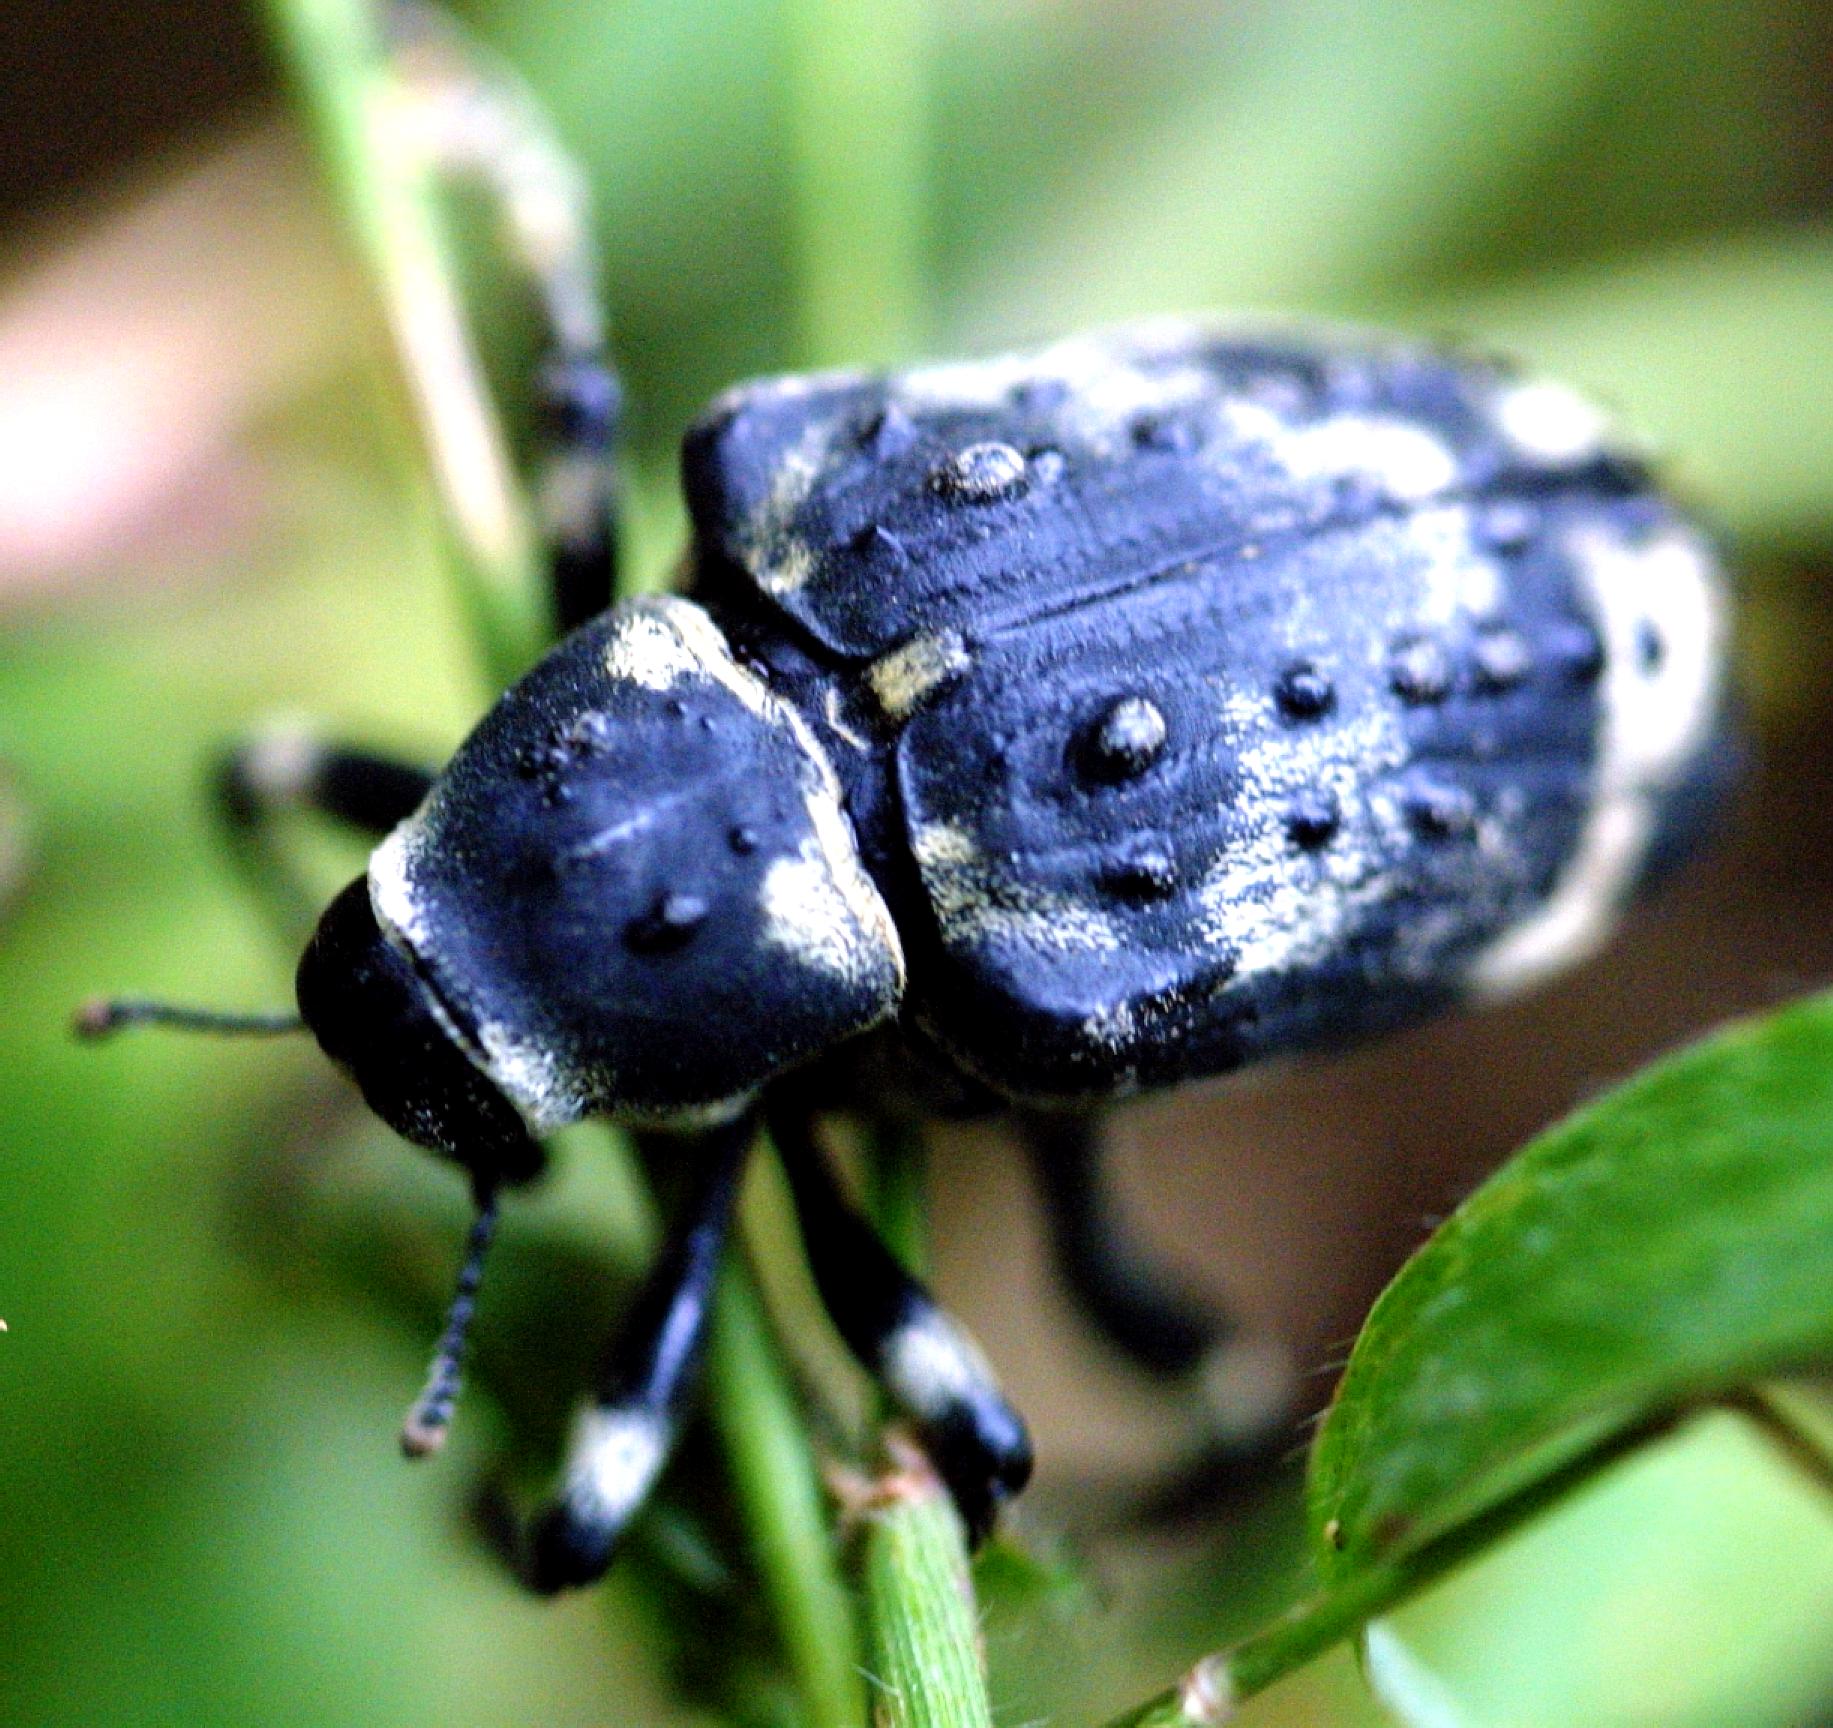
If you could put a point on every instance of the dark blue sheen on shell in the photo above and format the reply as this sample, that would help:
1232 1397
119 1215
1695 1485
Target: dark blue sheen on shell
1298 865
852 541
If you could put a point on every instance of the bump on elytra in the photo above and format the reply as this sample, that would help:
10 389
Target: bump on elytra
1163 432
1125 741
1436 811
1313 818
1506 525
981 473
1500 659
1303 692
1142 873
1419 671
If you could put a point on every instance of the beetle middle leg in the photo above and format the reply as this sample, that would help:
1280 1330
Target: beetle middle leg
625 1436
932 1371
1242 1382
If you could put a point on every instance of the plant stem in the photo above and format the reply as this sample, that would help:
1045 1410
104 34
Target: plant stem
334 53
896 1172
779 1491
858 100
927 1669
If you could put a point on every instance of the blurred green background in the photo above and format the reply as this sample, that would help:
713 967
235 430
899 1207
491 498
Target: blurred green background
219 1282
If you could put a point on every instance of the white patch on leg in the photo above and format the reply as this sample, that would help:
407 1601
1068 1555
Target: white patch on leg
612 1463
932 1367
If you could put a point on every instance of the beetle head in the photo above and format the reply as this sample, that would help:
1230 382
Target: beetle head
634 889
376 1019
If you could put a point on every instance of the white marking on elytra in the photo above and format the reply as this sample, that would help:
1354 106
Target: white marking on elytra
1456 581
779 558
1550 423
612 1462
1270 909
1653 722
901 679
931 1366
975 903
1409 463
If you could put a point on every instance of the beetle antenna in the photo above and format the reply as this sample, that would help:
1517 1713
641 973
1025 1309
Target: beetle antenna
424 1431
106 1015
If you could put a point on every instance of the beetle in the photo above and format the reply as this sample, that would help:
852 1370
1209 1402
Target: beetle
1032 731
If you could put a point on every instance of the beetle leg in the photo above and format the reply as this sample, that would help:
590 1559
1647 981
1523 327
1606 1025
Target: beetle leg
624 1437
1243 1381
927 1364
285 768
481 127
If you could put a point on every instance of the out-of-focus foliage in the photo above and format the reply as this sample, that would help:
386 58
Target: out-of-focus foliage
218 1290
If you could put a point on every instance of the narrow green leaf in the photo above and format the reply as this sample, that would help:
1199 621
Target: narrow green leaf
1329 150
1719 351
1668 1244
334 54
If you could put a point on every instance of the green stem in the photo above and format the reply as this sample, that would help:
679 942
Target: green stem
1209 1694
779 1490
927 1664
334 53
896 1191
858 98
927 1669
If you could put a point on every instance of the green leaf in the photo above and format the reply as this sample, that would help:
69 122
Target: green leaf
1716 350
1661 1249
1314 153
1669 1243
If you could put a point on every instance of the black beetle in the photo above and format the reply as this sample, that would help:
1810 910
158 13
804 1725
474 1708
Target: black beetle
1038 729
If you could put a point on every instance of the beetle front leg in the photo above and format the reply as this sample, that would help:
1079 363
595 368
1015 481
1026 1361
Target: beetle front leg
287 767
290 768
625 1436
928 1365
1243 1382
478 125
